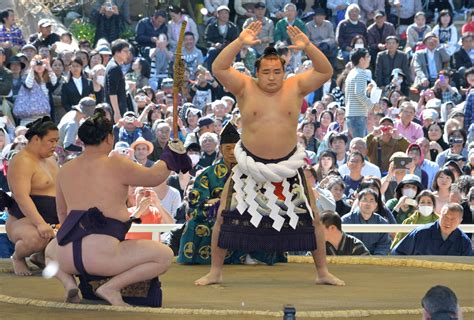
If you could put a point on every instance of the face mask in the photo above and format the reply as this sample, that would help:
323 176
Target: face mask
399 81
425 210
358 46
194 158
410 193
100 80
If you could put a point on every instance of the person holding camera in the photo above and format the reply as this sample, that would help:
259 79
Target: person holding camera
424 213
149 28
457 145
444 91
383 142
33 100
404 203
148 207
129 129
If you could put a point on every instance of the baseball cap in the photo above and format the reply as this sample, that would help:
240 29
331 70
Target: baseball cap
433 104
44 23
430 114
386 119
429 35
379 13
319 12
219 8
205 121
260 5
129 114
29 46
104 50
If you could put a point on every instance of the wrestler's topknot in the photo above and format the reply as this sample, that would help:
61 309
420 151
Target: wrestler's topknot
40 128
270 52
95 129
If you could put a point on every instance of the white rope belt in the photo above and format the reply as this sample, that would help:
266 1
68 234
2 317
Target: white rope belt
260 175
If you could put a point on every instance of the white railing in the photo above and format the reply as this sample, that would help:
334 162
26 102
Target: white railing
155 229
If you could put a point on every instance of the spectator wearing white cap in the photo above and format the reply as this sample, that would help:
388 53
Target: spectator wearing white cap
191 119
45 37
29 51
129 129
219 33
219 110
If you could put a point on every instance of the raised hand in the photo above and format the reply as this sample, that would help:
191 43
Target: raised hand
298 39
249 35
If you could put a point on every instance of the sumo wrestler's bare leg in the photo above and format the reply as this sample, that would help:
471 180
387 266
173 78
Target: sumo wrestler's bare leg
67 280
23 233
127 262
217 253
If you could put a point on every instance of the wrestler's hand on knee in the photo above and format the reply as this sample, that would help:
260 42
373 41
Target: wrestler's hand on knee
45 231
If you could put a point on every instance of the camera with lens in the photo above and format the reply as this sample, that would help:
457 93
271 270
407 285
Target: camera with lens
454 140
314 111
39 62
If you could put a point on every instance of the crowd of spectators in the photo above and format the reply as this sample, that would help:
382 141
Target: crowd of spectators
390 135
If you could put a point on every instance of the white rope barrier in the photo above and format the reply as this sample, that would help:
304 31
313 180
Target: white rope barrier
155 229
350 228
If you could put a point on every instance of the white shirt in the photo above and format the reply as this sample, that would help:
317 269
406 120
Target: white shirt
369 169
78 83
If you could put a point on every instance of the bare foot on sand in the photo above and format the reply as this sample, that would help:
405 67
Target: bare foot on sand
330 280
113 297
72 295
20 267
38 259
210 278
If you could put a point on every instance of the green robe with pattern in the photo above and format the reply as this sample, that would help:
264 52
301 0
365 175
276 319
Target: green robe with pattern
195 244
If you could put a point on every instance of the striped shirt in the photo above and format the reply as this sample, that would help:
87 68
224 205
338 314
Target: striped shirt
357 102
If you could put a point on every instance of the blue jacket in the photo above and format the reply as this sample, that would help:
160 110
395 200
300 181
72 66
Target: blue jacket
377 243
427 241
145 31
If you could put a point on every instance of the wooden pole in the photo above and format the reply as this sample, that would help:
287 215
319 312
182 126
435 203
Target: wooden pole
178 78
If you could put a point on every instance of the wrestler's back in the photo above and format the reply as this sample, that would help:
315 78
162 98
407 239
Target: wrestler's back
94 182
269 121
44 172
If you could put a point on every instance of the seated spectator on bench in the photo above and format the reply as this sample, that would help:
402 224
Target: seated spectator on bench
442 237
377 243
